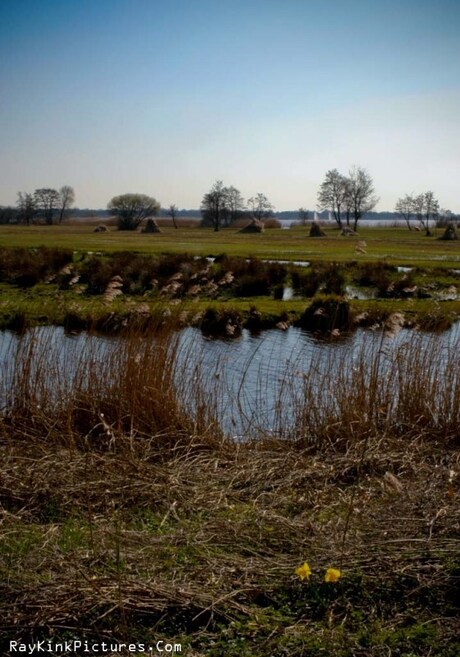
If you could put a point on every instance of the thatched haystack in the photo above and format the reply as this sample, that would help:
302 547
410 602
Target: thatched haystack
450 233
151 227
255 226
316 230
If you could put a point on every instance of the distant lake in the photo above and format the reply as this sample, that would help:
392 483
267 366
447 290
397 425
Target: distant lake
380 223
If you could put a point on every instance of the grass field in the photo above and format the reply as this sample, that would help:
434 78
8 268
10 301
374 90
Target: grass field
396 245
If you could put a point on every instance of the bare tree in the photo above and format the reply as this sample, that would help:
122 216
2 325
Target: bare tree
304 215
131 209
347 201
235 204
66 199
214 206
46 200
27 208
221 206
427 209
405 207
172 212
332 194
260 207
361 193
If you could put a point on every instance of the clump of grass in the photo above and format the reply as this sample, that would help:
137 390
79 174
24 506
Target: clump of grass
326 314
138 273
329 278
27 267
377 391
305 283
435 318
373 274
226 323
17 321
333 279
252 277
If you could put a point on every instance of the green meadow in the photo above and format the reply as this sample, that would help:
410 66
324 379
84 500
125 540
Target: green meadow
396 245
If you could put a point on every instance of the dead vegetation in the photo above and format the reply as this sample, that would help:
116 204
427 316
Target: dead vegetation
126 513
201 545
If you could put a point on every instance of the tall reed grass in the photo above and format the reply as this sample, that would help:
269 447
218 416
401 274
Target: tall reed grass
380 389
99 390
154 387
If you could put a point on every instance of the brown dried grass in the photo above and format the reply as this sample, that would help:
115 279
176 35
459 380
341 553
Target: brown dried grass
201 537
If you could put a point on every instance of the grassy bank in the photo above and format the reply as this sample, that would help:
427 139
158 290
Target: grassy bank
127 514
107 292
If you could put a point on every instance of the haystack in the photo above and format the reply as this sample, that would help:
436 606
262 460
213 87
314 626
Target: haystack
450 233
255 226
151 227
316 231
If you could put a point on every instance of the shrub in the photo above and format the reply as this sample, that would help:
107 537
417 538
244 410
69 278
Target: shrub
326 314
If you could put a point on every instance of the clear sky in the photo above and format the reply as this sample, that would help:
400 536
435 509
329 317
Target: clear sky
163 97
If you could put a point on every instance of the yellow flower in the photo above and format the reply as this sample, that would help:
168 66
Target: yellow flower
332 575
303 571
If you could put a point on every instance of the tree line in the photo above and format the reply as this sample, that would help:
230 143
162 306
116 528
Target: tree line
346 197
44 205
220 207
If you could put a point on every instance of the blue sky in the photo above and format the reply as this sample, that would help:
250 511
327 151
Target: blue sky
164 98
